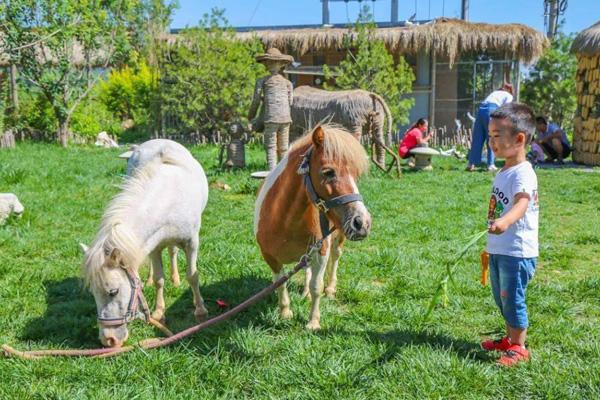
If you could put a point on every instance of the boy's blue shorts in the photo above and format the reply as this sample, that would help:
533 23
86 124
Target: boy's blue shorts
509 277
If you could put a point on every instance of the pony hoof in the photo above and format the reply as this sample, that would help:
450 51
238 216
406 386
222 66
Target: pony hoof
330 292
305 294
158 316
150 282
286 314
176 282
313 326
201 315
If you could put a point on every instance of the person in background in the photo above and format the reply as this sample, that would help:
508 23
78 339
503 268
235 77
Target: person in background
497 98
553 140
414 138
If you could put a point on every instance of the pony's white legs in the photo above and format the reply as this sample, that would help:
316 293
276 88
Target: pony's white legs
307 276
150 280
174 271
318 263
332 266
191 253
159 280
284 298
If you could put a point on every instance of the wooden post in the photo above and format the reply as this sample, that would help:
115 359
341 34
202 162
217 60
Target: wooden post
432 93
325 12
518 82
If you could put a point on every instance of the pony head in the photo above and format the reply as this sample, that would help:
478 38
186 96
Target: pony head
109 273
337 162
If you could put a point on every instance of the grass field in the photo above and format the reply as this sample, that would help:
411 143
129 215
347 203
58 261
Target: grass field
372 345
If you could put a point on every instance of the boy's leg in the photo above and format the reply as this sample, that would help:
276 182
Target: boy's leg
515 273
499 344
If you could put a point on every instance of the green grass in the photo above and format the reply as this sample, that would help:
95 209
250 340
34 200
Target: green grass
372 345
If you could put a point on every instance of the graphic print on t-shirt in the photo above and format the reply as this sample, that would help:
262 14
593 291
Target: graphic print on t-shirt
497 202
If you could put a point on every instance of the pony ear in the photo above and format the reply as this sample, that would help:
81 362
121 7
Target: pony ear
84 249
318 136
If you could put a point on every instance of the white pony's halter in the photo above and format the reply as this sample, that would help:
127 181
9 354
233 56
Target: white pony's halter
137 300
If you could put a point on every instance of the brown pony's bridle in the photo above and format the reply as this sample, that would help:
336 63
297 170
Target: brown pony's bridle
137 300
323 205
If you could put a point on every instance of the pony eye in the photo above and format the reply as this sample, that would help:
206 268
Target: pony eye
328 174
113 292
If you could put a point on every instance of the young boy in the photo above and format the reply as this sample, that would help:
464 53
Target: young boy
513 227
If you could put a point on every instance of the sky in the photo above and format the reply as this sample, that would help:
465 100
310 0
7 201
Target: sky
579 15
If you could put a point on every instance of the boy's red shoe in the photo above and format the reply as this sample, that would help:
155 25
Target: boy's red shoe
513 355
496 345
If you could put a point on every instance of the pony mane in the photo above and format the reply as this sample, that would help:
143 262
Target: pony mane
113 233
339 145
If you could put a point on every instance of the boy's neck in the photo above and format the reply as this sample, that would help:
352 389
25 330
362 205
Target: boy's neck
515 160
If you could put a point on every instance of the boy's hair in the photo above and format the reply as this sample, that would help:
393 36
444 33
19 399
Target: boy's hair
541 120
521 117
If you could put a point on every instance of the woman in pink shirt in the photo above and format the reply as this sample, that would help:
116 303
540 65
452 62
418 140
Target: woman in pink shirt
414 138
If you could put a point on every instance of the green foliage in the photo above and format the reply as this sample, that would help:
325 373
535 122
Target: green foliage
36 114
58 43
209 76
92 116
369 66
127 93
550 86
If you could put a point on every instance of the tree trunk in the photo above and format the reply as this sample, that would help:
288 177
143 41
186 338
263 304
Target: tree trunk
63 133
14 96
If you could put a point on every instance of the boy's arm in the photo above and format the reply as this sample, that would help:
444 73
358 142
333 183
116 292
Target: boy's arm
517 212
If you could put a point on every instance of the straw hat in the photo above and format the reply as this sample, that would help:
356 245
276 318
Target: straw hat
274 54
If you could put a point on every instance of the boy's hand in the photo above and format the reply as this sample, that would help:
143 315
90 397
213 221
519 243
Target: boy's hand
498 226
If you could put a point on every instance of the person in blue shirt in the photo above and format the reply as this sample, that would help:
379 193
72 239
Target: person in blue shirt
553 140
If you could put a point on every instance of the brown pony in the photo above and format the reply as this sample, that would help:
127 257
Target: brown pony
289 215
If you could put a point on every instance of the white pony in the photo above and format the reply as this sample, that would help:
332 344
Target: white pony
160 205
137 158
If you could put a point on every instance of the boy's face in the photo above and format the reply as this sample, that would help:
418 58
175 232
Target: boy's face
502 141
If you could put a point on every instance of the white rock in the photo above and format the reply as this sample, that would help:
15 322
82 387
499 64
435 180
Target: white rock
9 204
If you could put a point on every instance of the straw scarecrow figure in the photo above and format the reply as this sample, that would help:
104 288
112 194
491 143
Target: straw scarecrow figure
275 92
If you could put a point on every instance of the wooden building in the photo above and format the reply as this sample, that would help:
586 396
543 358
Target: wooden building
586 138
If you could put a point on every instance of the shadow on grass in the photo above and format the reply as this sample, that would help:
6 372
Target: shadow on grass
395 340
70 316
233 291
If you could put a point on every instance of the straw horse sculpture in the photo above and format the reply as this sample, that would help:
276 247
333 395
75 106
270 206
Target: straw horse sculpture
159 205
313 187
359 111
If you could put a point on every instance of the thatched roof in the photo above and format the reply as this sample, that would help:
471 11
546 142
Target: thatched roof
45 56
448 37
588 41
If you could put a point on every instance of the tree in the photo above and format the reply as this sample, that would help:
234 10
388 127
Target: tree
57 44
208 76
550 85
369 66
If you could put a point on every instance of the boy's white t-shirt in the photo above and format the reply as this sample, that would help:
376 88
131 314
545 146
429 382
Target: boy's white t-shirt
521 238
